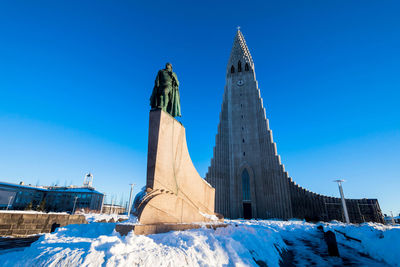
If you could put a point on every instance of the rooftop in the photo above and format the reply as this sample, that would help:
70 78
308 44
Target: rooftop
71 188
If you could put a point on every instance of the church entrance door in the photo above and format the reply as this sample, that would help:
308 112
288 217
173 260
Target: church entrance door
247 210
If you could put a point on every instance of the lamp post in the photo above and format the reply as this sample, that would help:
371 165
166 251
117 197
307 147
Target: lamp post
102 203
9 201
346 214
73 210
393 221
112 206
130 200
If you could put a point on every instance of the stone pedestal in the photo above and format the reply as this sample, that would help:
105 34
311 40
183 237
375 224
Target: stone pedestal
176 194
147 229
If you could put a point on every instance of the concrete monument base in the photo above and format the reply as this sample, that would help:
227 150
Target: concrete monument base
149 229
176 195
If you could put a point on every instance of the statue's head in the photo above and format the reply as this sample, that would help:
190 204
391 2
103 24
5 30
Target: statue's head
168 66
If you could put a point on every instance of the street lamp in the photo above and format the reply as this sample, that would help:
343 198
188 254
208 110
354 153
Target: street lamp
130 200
346 214
73 210
9 201
393 221
112 205
102 203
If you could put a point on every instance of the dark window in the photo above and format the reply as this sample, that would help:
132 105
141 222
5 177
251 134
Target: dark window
239 66
246 67
246 185
243 140
244 153
232 69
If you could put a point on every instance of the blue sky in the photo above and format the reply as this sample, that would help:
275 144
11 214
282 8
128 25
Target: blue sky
76 76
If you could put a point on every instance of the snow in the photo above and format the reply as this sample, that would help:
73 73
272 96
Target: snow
241 243
97 217
211 217
207 183
377 240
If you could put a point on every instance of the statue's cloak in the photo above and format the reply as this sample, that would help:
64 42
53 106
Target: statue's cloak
171 84
174 106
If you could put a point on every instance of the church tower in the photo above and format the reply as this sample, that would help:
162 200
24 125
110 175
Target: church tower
246 170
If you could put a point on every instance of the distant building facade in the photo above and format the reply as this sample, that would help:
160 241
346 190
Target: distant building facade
392 220
49 198
113 209
246 170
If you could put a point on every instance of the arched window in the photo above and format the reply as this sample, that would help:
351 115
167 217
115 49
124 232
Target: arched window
246 185
239 66
246 67
232 69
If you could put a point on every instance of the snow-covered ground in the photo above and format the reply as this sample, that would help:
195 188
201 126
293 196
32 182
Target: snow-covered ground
241 243
97 217
381 242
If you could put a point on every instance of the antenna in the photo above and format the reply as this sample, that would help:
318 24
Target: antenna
88 180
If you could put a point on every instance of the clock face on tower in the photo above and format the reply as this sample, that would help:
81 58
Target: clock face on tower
240 82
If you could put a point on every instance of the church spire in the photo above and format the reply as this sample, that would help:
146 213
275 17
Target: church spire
246 171
240 52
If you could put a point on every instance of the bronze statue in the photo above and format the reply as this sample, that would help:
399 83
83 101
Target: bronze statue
165 94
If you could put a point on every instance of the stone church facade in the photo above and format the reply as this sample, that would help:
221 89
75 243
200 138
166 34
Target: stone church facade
246 170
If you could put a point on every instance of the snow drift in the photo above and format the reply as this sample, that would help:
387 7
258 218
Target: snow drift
242 243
